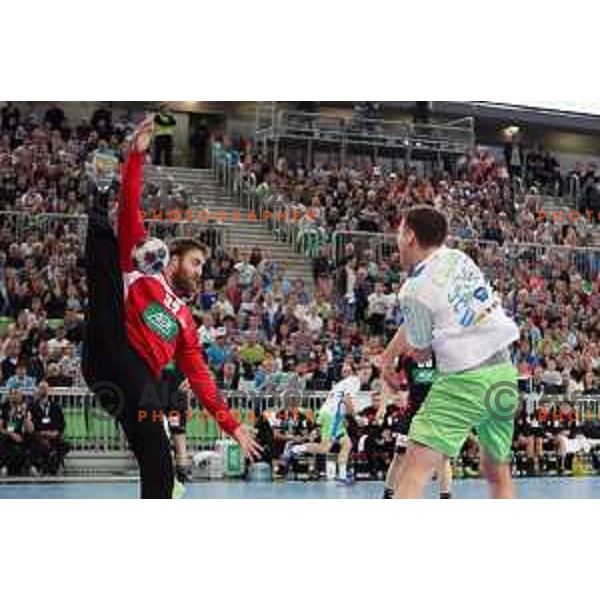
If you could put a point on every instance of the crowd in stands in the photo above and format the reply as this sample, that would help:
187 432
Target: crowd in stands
259 329
478 197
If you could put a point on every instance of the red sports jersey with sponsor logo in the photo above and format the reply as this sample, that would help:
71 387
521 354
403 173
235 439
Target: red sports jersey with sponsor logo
160 326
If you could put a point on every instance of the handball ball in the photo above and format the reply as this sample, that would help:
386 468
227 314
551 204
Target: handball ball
151 257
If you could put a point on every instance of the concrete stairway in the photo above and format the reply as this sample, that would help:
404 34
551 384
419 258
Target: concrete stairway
243 234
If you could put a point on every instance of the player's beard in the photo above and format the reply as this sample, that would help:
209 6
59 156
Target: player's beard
184 283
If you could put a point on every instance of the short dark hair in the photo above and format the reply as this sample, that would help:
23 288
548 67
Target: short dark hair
429 225
181 246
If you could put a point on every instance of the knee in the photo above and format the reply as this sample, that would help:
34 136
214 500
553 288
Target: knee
495 473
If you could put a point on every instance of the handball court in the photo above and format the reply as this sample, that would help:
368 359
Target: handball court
528 489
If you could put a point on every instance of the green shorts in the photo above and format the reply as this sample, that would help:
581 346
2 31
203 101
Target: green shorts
486 400
332 429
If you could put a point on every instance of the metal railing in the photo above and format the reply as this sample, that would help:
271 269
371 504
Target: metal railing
289 223
91 430
452 137
25 226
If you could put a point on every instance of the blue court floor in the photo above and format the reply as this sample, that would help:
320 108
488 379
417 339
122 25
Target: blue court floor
559 489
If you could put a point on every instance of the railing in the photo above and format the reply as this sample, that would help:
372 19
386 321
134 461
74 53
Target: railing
381 247
90 429
496 261
454 137
290 224
25 226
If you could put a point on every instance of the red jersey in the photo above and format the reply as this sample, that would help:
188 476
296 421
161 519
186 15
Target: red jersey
160 326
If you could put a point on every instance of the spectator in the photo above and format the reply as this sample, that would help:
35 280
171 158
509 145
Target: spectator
228 378
378 309
55 117
9 364
48 448
164 123
246 272
102 121
70 363
56 378
15 424
59 343
10 117
21 380
251 353
39 362
219 352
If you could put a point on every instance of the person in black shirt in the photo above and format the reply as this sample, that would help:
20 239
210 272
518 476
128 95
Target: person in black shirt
10 117
528 444
47 446
55 117
291 427
15 424
9 364
323 377
323 270
420 378
371 423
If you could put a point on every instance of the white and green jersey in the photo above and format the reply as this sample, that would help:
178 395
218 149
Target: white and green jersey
448 305
339 393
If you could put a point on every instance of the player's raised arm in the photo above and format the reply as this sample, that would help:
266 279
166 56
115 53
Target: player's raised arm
131 230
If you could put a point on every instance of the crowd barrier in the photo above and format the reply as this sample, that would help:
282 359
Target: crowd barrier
26 227
91 430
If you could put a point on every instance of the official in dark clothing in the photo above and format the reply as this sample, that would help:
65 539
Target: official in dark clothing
15 424
47 446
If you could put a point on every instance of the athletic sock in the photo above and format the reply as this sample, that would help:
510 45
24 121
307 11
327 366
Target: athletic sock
343 471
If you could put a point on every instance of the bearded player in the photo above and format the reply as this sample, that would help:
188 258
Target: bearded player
137 324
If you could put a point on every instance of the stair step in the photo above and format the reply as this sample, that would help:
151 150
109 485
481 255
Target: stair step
206 193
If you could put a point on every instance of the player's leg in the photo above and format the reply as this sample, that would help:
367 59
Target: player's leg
496 431
105 337
419 465
144 420
177 417
325 422
155 462
439 430
391 479
344 456
445 479
499 478
182 462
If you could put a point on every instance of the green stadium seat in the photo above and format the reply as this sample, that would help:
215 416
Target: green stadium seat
5 322
55 323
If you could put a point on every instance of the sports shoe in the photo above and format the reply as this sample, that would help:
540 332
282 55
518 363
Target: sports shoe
347 482
178 490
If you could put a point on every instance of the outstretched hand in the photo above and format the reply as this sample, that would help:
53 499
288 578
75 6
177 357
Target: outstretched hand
250 447
142 136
